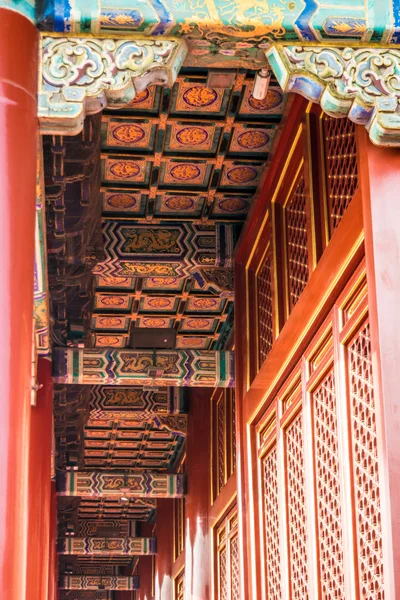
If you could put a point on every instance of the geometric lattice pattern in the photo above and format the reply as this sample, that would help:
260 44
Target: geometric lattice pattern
271 512
235 568
228 558
265 319
223 575
221 453
180 586
340 165
297 509
296 241
328 489
365 457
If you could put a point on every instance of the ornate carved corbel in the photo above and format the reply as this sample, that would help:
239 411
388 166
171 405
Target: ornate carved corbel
82 75
360 83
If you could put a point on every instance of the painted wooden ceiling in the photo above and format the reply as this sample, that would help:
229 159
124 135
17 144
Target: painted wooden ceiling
186 160
190 155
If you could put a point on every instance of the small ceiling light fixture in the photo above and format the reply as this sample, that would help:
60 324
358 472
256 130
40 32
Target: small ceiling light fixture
261 84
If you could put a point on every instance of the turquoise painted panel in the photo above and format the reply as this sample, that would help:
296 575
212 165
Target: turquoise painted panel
24 7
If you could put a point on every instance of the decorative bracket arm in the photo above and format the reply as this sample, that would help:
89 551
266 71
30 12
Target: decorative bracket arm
82 75
360 83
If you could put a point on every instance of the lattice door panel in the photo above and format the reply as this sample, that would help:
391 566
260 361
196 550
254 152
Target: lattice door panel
296 241
340 166
271 511
365 459
265 314
228 558
320 480
329 517
297 509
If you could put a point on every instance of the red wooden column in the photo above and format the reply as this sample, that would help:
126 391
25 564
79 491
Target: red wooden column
198 499
380 186
18 149
145 570
39 493
53 556
164 534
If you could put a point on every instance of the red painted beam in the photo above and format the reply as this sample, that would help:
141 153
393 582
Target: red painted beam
39 494
18 155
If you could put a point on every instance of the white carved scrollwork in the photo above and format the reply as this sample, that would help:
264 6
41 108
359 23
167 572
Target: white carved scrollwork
80 76
361 83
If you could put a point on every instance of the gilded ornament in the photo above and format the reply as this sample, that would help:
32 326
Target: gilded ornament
159 302
200 96
253 139
154 322
122 201
185 172
179 203
272 100
107 340
233 204
242 174
110 321
192 136
128 133
112 301
125 169
198 323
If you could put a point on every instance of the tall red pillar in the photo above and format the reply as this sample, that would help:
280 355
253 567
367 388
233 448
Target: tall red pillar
380 185
53 556
18 149
39 492
198 499
164 559
145 571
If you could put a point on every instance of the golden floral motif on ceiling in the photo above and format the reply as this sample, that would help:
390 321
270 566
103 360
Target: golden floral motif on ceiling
114 281
159 303
254 139
124 170
126 133
108 340
121 201
198 323
179 203
154 322
233 205
163 282
204 303
271 103
110 321
185 172
242 174
113 301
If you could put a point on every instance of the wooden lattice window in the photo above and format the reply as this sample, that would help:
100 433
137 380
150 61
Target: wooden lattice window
296 246
224 438
227 553
264 304
179 520
340 166
179 586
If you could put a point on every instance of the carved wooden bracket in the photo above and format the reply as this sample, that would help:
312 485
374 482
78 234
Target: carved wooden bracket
82 75
360 83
